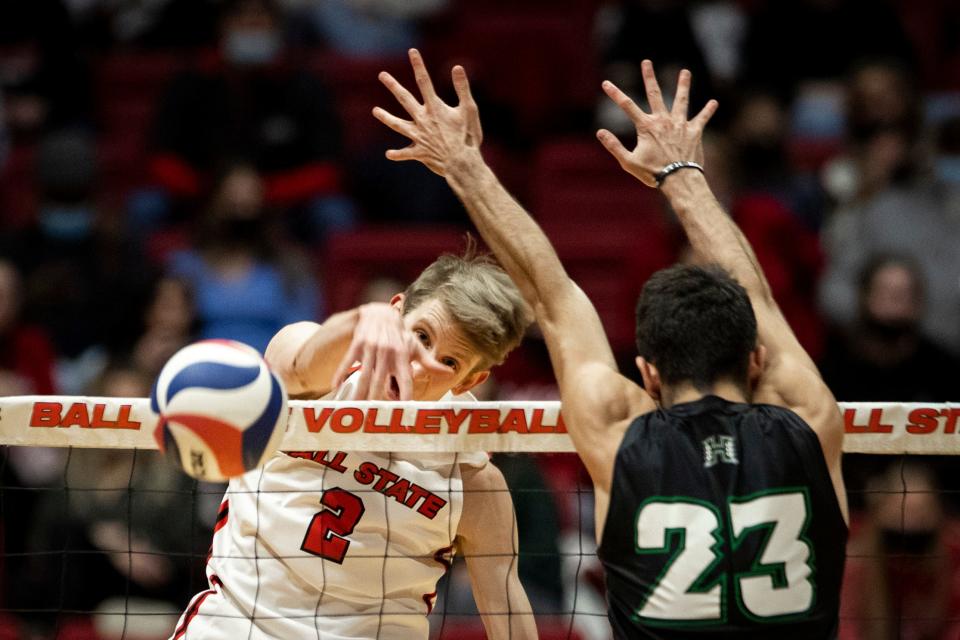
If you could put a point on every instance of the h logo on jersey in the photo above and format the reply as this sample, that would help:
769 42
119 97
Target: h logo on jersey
719 449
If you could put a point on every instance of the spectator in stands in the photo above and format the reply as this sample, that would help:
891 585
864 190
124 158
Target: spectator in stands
251 105
946 162
129 524
777 208
380 186
882 96
919 223
169 325
932 27
883 126
902 577
157 23
362 27
26 353
883 355
660 30
247 282
888 202
792 41
85 283
26 367
759 132
45 83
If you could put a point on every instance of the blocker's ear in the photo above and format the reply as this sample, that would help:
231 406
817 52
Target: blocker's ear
758 364
398 301
651 378
471 381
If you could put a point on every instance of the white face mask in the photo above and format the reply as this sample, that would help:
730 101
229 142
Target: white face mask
251 46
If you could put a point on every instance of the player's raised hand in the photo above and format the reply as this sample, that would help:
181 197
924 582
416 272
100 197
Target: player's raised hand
384 347
439 133
663 135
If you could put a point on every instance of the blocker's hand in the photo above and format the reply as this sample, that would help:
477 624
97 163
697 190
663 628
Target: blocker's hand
439 133
663 135
384 347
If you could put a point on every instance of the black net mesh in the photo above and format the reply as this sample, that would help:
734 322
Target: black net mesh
102 544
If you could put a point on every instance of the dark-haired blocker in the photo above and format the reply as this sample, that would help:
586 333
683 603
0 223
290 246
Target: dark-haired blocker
720 505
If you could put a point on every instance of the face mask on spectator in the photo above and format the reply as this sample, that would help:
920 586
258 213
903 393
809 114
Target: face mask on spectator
761 154
947 169
890 330
66 223
251 46
247 231
913 542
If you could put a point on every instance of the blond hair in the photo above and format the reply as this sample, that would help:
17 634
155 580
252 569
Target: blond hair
482 299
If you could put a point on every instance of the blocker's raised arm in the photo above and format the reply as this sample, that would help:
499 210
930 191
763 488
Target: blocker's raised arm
447 139
668 154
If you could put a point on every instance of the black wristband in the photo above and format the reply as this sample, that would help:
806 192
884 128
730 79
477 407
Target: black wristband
676 166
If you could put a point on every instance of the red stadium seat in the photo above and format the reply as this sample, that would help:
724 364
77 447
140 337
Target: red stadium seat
129 87
611 264
812 154
122 163
137 73
351 259
18 195
578 180
9 627
538 61
354 84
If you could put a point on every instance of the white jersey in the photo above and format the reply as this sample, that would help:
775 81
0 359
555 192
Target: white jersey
333 545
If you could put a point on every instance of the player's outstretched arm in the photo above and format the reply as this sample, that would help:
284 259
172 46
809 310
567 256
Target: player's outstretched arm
447 140
666 136
487 537
312 358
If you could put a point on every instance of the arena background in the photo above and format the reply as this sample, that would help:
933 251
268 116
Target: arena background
177 169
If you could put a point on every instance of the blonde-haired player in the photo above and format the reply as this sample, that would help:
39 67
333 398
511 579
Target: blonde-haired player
347 545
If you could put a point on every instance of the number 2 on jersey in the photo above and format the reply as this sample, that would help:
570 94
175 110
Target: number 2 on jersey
326 534
778 583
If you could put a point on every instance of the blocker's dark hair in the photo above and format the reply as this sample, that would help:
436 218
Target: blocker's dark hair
696 325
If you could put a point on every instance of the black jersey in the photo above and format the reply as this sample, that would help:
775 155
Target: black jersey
723 523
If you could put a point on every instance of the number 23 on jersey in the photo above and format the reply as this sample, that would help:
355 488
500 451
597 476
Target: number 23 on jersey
778 582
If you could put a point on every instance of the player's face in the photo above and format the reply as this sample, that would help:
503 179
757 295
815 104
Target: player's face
434 327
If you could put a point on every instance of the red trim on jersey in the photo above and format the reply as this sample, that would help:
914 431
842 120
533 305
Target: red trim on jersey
440 555
222 516
195 606
159 435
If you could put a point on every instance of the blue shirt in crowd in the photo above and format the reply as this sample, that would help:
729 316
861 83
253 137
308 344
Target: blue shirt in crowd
251 308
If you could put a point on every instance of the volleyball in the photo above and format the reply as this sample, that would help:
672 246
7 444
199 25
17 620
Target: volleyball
222 411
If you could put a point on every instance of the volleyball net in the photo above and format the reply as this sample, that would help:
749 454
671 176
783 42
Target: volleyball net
103 538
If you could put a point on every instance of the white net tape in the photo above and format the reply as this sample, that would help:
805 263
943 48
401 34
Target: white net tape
128 423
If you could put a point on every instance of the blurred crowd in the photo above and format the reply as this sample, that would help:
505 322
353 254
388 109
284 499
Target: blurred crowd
179 169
